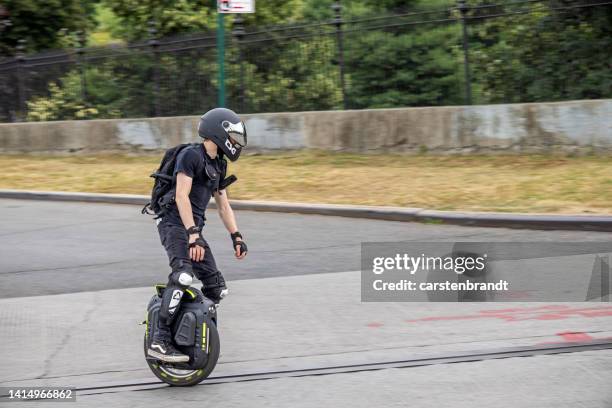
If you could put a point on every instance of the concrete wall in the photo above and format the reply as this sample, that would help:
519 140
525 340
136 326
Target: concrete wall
574 125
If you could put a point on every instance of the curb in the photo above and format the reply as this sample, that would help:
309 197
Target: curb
476 219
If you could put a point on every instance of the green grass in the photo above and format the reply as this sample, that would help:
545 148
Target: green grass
540 184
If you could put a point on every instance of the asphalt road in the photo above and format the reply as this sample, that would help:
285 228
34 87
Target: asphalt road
60 247
308 313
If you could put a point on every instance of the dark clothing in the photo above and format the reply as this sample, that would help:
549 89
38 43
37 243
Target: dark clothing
175 240
206 174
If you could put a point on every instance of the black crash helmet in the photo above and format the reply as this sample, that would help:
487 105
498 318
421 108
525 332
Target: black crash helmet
225 129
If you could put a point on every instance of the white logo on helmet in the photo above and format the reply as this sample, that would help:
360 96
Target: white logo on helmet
229 145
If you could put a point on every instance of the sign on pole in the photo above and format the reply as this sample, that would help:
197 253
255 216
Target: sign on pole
235 6
227 7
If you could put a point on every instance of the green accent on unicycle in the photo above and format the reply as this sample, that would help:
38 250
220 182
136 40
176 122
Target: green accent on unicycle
204 336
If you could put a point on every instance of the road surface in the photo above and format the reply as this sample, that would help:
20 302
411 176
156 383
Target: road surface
75 279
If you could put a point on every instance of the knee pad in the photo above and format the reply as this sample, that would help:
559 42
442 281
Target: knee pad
182 279
185 279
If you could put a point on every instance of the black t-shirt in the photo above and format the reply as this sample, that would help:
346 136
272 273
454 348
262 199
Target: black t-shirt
206 173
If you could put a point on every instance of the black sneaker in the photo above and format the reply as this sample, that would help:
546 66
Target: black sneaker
164 350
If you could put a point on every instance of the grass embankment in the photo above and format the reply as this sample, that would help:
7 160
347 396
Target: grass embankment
543 184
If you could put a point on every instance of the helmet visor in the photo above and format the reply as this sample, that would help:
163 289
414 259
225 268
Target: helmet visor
236 131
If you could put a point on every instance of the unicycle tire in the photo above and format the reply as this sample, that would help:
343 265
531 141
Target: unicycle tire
167 373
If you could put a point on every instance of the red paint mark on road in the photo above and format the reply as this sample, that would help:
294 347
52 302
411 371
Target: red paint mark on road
570 337
525 309
546 312
375 324
550 316
575 336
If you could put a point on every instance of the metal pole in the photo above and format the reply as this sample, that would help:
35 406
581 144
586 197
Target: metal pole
463 8
221 58
337 8
21 107
154 44
239 34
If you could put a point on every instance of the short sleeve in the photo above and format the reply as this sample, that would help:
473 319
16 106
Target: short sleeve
187 162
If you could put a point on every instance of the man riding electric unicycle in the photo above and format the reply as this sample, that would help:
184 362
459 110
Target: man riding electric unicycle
181 340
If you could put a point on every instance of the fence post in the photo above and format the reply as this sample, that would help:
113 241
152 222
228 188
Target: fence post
238 33
463 9
221 58
337 8
21 59
81 63
5 24
154 44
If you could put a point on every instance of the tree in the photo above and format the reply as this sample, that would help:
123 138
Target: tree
546 55
287 76
173 17
65 100
416 68
43 23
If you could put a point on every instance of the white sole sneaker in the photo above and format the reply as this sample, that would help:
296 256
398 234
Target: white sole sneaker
167 359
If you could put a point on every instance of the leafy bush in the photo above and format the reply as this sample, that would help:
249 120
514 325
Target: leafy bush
65 100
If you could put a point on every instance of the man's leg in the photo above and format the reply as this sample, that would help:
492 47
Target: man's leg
213 283
175 241
179 279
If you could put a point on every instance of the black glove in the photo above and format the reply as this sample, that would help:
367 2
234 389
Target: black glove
241 244
194 230
199 242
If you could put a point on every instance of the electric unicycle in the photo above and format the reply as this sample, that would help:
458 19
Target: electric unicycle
194 333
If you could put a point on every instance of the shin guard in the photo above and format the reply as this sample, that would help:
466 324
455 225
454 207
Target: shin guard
171 299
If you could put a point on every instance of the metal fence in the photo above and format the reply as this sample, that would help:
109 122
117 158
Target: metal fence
468 52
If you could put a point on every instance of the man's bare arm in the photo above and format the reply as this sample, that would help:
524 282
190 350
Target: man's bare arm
183 188
225 211
227 216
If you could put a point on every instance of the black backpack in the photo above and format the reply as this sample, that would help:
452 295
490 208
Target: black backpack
162 194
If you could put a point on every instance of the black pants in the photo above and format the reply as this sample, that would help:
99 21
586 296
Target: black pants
175 240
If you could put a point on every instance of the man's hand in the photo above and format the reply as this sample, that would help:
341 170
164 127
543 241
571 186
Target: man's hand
197 248
240 246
